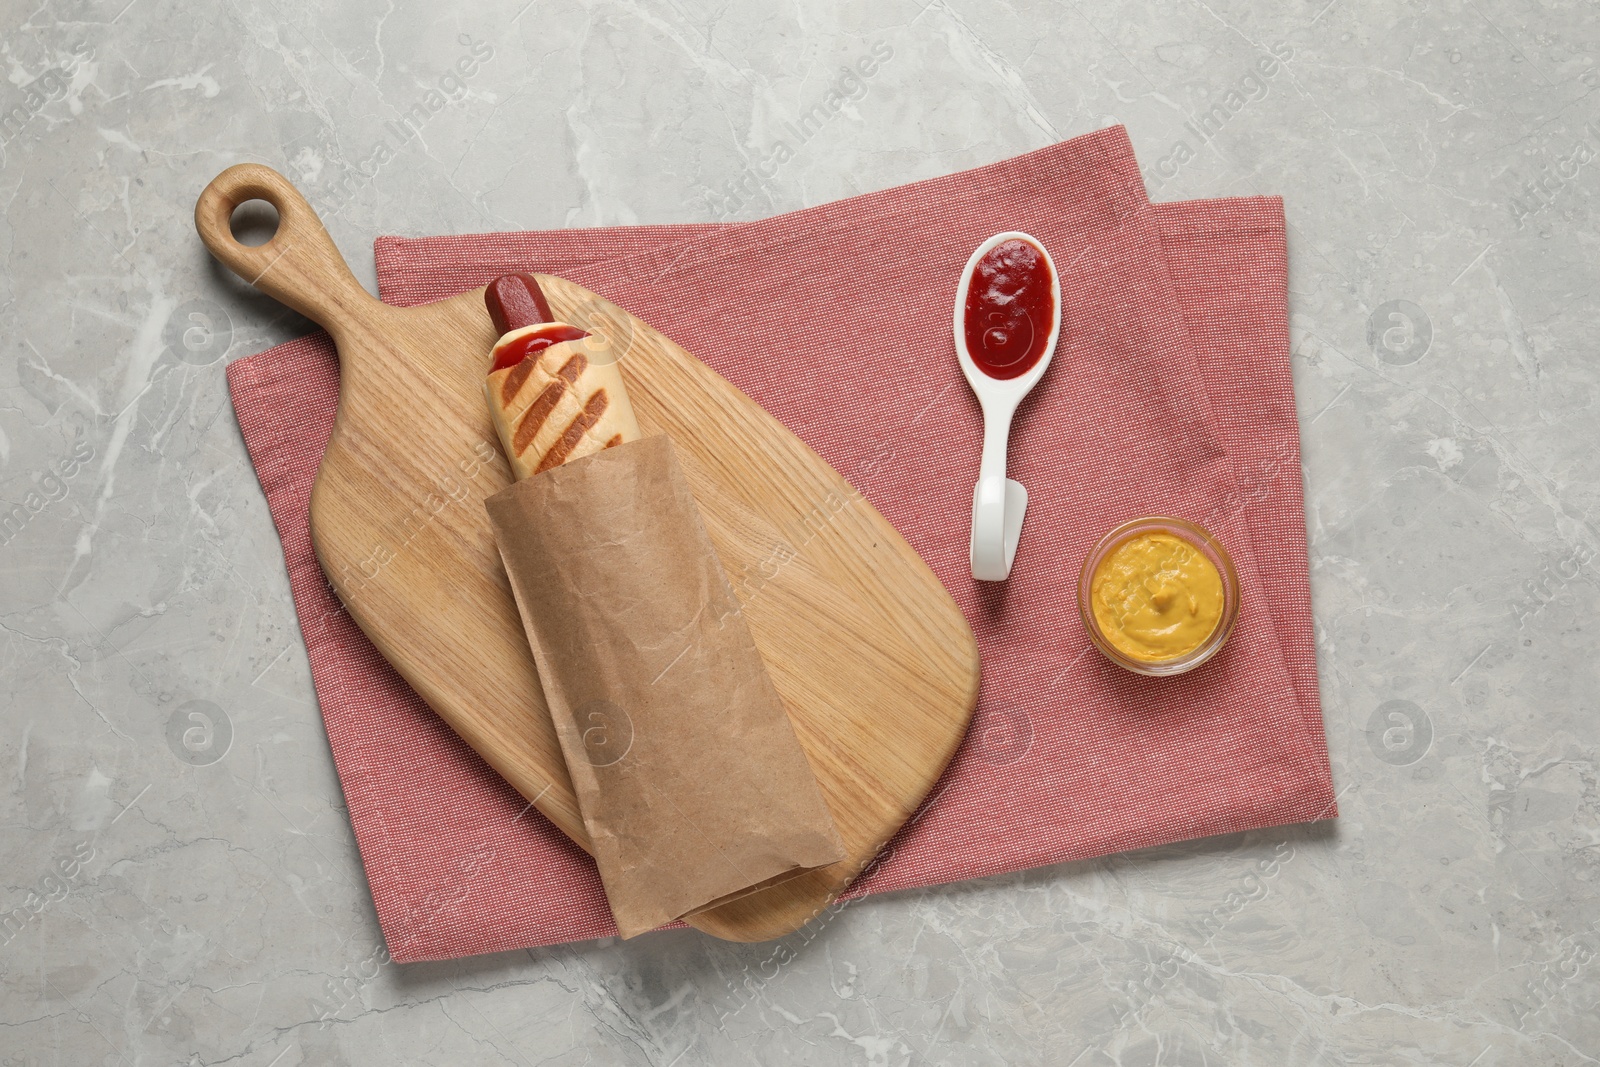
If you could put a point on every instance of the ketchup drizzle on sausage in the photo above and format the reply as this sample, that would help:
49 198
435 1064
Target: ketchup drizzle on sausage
531 344
515 301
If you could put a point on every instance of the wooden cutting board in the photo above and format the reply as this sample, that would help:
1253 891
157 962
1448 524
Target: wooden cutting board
876 665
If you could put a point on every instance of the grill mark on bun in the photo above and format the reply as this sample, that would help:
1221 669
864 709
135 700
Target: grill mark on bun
573 369
537 412
616 439
574 432
519 374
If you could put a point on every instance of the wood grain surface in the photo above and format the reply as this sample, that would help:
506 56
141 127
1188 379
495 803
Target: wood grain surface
876 665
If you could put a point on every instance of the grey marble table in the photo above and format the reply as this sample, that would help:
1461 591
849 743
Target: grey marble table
182 894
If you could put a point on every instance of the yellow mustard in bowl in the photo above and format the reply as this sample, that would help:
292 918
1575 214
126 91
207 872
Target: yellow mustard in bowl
1158 595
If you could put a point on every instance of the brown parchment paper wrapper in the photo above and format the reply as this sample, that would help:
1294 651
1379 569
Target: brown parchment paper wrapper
690 779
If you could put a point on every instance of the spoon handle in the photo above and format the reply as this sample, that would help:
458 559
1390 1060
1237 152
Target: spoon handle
990 562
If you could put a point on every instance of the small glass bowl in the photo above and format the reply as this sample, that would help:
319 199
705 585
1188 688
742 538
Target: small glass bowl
1200 538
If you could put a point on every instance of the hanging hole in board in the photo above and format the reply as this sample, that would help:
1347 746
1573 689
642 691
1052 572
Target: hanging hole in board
254 223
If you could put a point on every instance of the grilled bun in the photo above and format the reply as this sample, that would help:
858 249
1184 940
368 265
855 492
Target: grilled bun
554 405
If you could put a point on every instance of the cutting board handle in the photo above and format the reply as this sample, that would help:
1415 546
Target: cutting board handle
300 266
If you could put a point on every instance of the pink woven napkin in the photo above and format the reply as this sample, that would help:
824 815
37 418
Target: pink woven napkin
1170 393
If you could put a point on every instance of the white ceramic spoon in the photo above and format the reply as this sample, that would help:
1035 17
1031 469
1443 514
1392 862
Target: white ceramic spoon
999 503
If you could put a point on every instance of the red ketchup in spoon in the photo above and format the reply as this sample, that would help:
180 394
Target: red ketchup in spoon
515 301
1010 307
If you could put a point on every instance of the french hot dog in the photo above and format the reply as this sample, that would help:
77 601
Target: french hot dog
550 403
